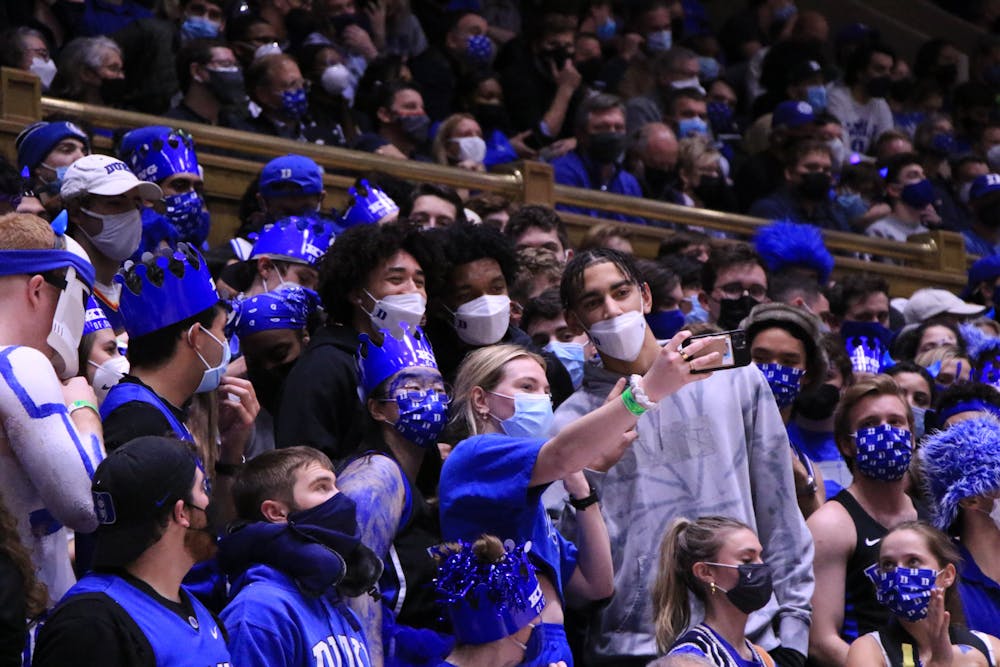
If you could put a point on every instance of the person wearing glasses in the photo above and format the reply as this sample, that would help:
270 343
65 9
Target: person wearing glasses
276 85
394 484
734 280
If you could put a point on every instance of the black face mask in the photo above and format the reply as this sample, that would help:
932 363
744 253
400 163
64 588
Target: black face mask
113 91
606 147
491 117
715 193
817 404
269 384
658 180
946 75
734 311
556 57
815 186
989 216
227 87
754 588
879 86
416 128
590 69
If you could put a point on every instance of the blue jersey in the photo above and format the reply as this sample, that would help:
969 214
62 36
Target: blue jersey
176 642
271 623
129 392
822 450
486 488
980 596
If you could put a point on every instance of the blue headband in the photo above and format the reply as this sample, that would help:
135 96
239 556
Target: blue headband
973 405
31 262
288 308
94 320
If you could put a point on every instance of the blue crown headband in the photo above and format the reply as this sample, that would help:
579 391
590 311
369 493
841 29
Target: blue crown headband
157 152
369 204
94 320
147 307
287 308
783 245
960 462
378 363
295 239
868 355
488 601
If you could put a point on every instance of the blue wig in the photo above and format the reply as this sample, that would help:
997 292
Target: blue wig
784 245
960 462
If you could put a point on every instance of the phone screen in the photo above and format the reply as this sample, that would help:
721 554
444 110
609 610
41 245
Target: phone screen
731 346
723 344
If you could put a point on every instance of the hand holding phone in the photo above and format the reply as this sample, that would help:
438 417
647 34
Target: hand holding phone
732 346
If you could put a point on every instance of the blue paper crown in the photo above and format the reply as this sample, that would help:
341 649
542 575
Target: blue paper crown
868 355
147 307
488 601
295 238
369 205
94 320
378 363
157 152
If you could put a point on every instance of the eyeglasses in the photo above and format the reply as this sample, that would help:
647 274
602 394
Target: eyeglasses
736 290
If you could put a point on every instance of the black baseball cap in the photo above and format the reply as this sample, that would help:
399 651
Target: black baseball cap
133 488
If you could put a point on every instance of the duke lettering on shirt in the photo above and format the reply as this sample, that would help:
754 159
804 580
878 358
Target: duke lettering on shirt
334 650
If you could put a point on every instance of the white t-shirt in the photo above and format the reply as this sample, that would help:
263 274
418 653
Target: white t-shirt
863 123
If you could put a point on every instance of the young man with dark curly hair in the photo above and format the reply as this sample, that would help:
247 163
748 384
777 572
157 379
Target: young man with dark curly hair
372 278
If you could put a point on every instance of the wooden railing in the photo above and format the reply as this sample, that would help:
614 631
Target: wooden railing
937 258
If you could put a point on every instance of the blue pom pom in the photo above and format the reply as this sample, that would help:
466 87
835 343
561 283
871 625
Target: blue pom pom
784 245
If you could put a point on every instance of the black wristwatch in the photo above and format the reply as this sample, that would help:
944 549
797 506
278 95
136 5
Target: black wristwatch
583 503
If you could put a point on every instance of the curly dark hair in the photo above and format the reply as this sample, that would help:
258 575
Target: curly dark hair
348 263
853 288
725 256
463 244
534 215
36 596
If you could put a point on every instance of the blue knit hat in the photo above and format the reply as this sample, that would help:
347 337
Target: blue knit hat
960 462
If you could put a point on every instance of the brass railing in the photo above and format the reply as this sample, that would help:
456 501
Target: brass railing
937 258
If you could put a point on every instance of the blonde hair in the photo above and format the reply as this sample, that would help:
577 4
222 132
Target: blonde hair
24 231
439 148
941 353
691 150
598 234
482 368
684 544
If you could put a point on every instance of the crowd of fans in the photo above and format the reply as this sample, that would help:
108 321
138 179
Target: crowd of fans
427 429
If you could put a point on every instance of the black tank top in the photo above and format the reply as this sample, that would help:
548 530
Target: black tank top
862 612
900 650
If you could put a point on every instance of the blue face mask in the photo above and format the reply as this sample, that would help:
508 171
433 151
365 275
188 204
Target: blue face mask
607 30
294 103
532 416
422 416
708 68
816 97
884 452
53 186
697 313
572 357
919 421
479 50
661 40
212 377
692 126
186 212
665 323
785 382
918 195
720 116
198 27
905 591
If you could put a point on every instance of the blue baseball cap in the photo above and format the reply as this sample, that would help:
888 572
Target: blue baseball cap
36 141
792 114
984 185
296 169
985 270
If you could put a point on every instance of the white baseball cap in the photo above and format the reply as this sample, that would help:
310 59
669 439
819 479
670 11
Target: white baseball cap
929 302
105 175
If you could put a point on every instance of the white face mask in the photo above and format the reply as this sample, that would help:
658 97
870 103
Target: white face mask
67 326
838 152
44 70
620 337
471 149
212 377
120 234
282 283
392 309
483 321
693 82
336 79
108 375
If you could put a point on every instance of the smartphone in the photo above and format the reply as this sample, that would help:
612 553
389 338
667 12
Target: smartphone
733 346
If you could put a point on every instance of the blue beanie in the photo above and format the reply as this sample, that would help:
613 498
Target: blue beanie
36 141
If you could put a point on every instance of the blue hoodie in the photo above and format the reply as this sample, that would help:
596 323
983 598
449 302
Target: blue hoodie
272 623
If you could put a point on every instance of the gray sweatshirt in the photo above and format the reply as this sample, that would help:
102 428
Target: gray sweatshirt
715 447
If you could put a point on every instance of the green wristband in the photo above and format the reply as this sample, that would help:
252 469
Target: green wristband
79 405
631 404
